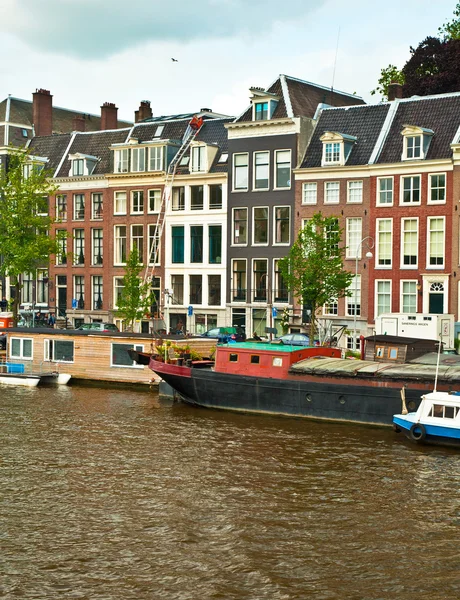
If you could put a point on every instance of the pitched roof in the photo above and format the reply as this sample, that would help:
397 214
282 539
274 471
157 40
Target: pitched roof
363 122
51 147
300 98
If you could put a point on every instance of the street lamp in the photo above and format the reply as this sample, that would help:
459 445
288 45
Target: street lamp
370 244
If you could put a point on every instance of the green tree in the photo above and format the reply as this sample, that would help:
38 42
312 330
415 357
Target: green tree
390 74
25 240
451 29
313 269
137 296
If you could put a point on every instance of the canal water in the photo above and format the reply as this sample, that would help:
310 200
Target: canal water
112 495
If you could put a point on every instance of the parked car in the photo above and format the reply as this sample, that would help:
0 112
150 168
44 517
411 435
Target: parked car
294 339
224 334
97 327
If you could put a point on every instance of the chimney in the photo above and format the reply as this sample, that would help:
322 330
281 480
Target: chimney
144 112
136 116
109 116
395 90
42 112
78 123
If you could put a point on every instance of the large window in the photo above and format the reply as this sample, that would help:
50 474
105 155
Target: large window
354 301
331 308
240 226
355 192
214 290
21 348
121 160
331 192
383 297
138 159
409 231
198 159
309 193
97 292
261 170
42 286
384 242
79 246
196 197
282 169
27 290
435 241
79 290
154 201
409 296
437 188
177 285
177 237
196 289
137 240
281 293
239 284
79 207
97 247
354 235
121 358
61 256
118 288
61 207
282 224
215 196
96 207
120 245
411 190
196 243
178 198
215 244
59 350
240 171
137 202
156 158
154 244
120 203
385 191
260 225
261 111
260 279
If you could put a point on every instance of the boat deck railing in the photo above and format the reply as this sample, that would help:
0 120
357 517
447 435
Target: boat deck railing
19 365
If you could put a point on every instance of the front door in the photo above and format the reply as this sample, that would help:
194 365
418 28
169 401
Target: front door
436 299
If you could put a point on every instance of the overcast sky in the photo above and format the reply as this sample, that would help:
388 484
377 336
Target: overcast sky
87 52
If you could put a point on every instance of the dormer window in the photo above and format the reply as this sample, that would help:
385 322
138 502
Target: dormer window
121 160
77 167
156 158
138 160
198 159
261 111
263 104
416 142
82 164
336 148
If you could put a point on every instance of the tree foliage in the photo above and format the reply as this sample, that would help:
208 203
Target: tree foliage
313 269
451 29
390 74
136 297
25 240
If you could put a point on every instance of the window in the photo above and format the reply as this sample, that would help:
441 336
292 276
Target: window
309 193
282 224
156 158
239 285
196 197
408 296
260 225
118 288
177 237
214 290
121 358
155 287
178 198
282 169
392 353
215 196
138 160
61 207
79 290
196 289
177 285
21 348
78 167
409 231
97 292
354 233
233 357
437 188
355 192
281 293
137 240
120 245
59 350
261 111
42 286
240 172
215 244
154 201
332 307
96 207
61 256
385 191
383 297
137 203
413 146
154 244
97 247
331 192
261 170
332 235
354 301
121 160
198 159
240 226
435 242
332 152
196 243
120 203
260 280
79 207
255 359
79 246
411 190
27 291
384 242
158 131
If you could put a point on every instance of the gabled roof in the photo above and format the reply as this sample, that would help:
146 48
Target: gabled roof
362 122
300 98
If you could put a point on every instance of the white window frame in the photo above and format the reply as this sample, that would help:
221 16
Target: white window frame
21 350
378 253
428 242
403 231
137 241
138 160
430 187
245 208
95 245
355 298
154 197
233 278
139 210
94 216
96 288
351 191
151 228
61 207
116 288
401 190
117 200
78 167
276 164
82 207
241 168
408 150
275 243
255 168
254 208
352 235
116 253
138 347
402 294
309 193
331 155
156 158
46 351
326 195
121 160
380 192
198 159
376 296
